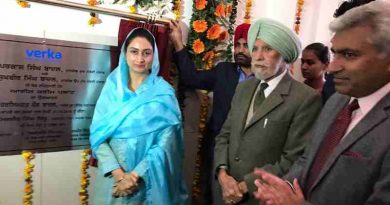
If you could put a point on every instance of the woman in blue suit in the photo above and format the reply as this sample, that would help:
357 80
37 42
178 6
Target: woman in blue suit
136 131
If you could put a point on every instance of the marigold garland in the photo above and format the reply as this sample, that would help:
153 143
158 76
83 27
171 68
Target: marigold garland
23 4
298 14
28 169
94 19
204 101
248 9
297 23
84 177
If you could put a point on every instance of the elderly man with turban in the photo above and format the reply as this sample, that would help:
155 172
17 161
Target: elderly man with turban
222 80
269 115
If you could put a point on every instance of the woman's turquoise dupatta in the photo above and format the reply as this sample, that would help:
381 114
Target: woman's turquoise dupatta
145 113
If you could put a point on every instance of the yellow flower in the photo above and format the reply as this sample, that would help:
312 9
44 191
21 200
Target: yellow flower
26 155
27 175
92 21
132 9
177 14
23 4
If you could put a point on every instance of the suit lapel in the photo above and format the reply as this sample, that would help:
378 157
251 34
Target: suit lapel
370 121
246 99
322 129
273 100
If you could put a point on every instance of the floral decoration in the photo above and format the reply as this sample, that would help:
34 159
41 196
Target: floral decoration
177 9
220 10
94 19
28 169
84 177
210 30
23 4
166 8
198 46
248 9
298 13
200 26
200 4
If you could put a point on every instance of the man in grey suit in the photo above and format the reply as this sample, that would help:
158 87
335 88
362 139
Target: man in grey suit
269 115
348 160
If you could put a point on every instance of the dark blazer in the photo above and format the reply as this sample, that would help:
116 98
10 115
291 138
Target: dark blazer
358 171
222 80
289 110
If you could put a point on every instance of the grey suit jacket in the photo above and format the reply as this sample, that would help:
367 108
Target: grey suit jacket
358 171
289 110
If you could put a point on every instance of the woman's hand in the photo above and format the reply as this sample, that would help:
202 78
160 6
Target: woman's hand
126 185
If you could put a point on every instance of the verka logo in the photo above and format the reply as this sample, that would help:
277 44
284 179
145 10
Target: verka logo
43 55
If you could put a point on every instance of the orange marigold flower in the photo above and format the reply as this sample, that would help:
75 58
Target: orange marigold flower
198 46
229 9
23 4
220 10
92 2
214 32
200 4
209 56
200 26
28 191
223 36
92 21
249 4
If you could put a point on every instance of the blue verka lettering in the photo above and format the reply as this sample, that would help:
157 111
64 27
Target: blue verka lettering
43 55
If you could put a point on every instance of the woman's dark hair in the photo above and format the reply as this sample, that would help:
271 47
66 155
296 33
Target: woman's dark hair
321 51
140 32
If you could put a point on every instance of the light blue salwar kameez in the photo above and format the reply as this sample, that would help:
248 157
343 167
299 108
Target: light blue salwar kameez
138 131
